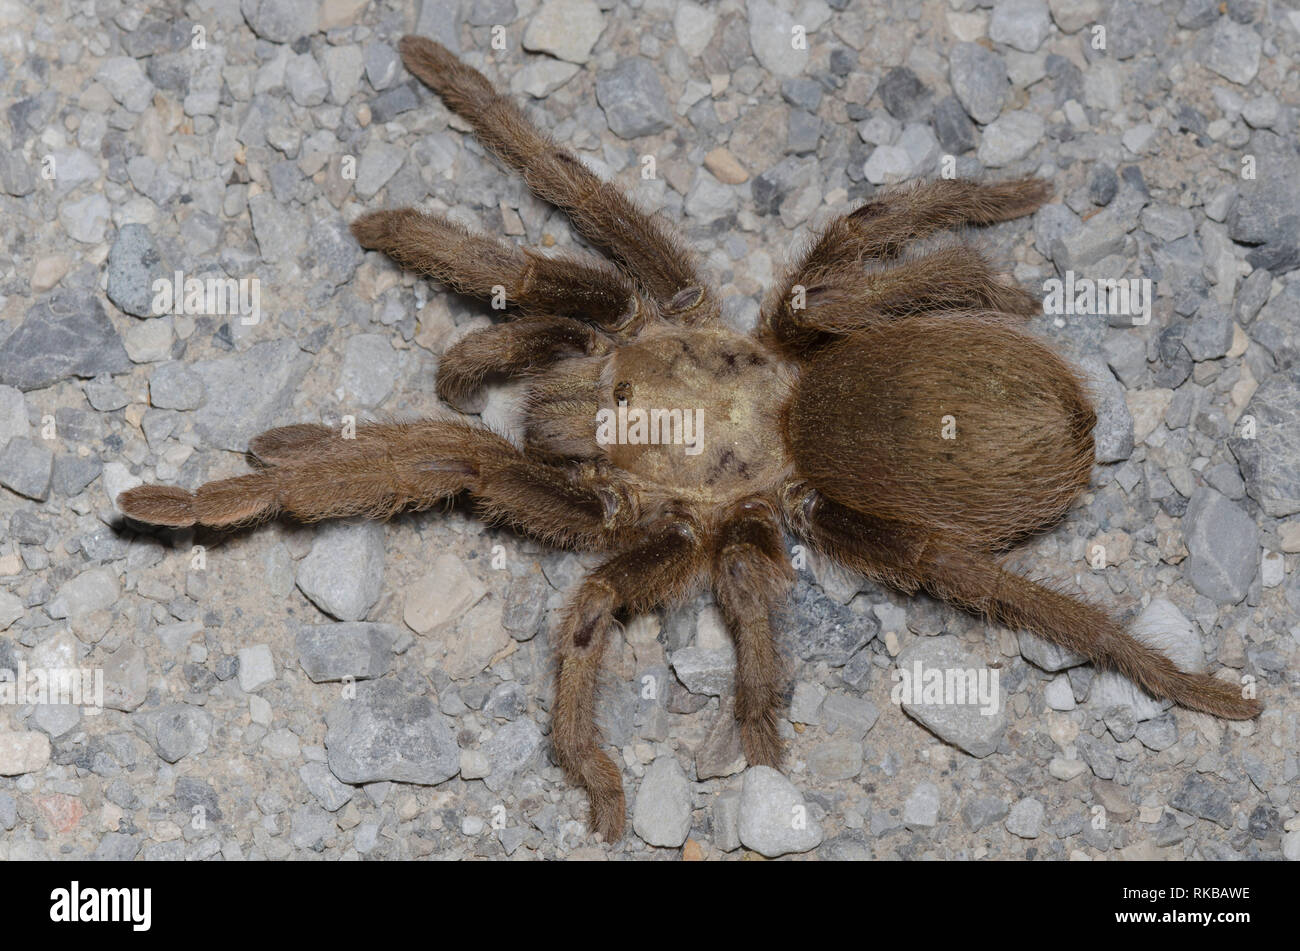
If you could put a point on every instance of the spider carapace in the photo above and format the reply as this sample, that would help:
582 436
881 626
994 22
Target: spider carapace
890 410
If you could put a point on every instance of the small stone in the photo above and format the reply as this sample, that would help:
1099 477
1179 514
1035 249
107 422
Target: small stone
48 271
343 68
1270 461
134 263
904 95
1010 137
281 21
888 165
806 705
361 650
474 765
305 81
86 219
726 821
721 753
175 386
1103 184
770 32
952 127
979 81
1147 409
824 630
979 811
388 733
1058 694
921 810
369 368
381 62
704 670
774 820
246 394
1066 769
662 815
1022 24
725 167
442 597
836 760
510 749
149 341
567 29
26 467
1204 798
1158 733
126 81
256 667
1025 818
693 26
633 98
477 639
344 571
1071 16
329 792
541 78
310 826
1047 656
175 731
23 752
975 725
1100 237
1223 546
846 715
90 591
379 162
1272 569
1233 51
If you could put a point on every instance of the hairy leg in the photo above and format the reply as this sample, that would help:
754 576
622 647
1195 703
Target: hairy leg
511 349
910 559
751 577
661 568
840 299
643 244
577 286
884 226
393 466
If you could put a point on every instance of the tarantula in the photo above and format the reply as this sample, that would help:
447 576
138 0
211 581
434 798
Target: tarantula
829 422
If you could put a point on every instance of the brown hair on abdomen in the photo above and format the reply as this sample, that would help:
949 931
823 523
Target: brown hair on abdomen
963 424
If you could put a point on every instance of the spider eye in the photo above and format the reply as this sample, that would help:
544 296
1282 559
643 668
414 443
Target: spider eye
623 392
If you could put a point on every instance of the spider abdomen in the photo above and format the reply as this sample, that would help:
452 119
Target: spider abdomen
961 423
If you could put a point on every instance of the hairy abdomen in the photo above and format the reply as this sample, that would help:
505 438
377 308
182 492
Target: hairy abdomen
963 424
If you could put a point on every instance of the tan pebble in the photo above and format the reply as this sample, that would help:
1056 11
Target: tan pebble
48 272
725 167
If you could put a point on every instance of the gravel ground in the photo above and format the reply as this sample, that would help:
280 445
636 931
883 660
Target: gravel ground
219 139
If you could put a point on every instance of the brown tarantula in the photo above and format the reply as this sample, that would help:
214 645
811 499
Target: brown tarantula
827 422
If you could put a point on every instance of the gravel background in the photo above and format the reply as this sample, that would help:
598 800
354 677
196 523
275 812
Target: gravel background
216 138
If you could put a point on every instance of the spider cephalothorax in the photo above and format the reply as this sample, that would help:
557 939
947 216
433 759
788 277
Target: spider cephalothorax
889 411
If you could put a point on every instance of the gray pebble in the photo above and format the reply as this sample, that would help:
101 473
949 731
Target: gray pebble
774 820
358 649
1025 818
633 98
662 815
65 334
390 734
344 571
979 81
1223 544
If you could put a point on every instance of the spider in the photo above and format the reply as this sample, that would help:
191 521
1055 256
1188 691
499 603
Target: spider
889 410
